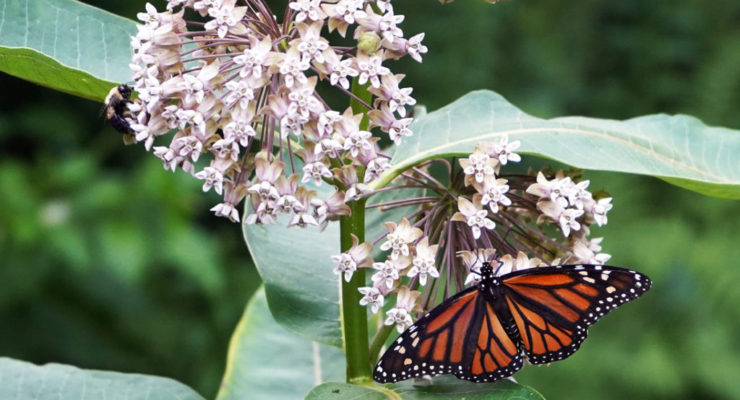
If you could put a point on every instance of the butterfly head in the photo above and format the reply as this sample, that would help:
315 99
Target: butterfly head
486 270
488 274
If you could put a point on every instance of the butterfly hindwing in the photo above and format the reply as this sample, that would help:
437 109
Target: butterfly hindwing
496 356
433 340
462 336
553 306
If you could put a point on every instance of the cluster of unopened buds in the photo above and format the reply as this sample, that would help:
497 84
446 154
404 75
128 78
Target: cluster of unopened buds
520 220
237 92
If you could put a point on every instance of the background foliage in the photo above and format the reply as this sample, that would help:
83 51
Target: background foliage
111 263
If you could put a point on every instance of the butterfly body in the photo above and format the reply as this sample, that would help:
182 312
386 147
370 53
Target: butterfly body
485 332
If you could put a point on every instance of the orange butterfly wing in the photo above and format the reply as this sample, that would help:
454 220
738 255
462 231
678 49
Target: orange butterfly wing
462 336
552 307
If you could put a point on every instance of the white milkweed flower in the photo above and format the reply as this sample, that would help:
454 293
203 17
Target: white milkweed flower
424 262
400 315
219 82
348 262
372 296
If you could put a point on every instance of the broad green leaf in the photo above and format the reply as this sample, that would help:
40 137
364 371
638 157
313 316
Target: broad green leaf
448 387
23 380
338 391
443 388
65 45
295 264
679 149
266 361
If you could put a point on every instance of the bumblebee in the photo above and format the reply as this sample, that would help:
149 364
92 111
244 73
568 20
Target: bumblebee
116 111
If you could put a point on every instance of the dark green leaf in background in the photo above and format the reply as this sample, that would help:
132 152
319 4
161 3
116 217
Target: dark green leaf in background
65 45
22 380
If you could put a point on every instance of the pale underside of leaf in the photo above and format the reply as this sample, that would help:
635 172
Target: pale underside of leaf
679 149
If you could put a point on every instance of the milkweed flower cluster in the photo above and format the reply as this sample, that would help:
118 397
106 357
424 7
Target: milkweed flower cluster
520 220
237 92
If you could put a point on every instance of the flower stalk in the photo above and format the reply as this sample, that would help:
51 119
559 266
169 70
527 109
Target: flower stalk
354 316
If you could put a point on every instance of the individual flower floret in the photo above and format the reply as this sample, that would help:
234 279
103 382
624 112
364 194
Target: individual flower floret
555 190
477 167
330 209
568 220
302 210
599 209
384 119
587 251
212 178
493 193
311 45
577 194
356 257
227 210
412 47
226 18
307 9
343 14
256 59
521 262
399 237
400 315
424 262
389 271
373 296
264 191
504 151
339 70
370 69
397 98
348 176
386 24
375 168
472 214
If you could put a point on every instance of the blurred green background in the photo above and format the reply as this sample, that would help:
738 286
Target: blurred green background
110 262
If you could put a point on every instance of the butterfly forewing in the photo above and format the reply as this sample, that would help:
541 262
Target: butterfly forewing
462 336
553 306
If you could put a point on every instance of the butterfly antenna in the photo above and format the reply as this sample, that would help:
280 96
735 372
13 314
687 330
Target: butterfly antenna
508 231
500 264
472 266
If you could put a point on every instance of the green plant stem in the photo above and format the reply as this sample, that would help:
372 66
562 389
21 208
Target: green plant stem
354 316
378 341
361 92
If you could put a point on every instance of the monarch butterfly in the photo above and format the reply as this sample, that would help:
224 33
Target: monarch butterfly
484 332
